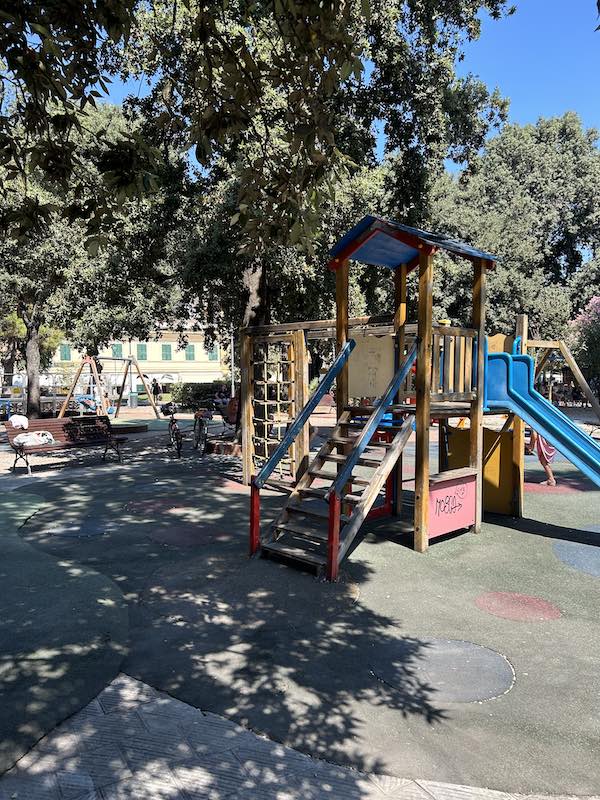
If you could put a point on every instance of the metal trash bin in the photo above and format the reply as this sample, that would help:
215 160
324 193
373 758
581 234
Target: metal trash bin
133 399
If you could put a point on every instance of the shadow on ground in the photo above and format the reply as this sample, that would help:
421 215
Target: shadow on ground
256 641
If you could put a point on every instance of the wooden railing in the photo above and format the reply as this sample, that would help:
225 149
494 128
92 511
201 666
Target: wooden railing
453 358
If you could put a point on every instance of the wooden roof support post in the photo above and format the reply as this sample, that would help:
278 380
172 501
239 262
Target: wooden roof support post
476 430
247 372
341 331
400 310
423 408
518 438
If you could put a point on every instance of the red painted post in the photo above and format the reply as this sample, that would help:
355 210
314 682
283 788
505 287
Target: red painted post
254 519
333 541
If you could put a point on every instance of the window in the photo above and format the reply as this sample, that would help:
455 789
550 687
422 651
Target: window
142 352
213 353
190 353
117 350
166 352
65 352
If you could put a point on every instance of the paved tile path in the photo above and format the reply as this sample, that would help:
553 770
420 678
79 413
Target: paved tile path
134 743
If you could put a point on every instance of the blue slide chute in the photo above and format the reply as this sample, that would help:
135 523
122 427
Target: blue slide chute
510 385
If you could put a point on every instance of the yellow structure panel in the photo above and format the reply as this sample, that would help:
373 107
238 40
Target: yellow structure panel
498 496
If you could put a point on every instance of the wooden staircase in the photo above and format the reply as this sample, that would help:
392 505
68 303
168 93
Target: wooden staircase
301 531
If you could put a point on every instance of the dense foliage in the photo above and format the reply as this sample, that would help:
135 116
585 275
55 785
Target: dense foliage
585 337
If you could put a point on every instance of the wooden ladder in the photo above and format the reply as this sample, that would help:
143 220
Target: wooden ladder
300 532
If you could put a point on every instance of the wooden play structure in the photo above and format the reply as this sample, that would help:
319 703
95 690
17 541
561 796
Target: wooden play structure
96 387
435 372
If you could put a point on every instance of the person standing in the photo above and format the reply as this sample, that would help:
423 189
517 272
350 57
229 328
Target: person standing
155 390
545 453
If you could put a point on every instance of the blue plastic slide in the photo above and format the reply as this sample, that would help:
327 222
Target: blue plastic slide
509 385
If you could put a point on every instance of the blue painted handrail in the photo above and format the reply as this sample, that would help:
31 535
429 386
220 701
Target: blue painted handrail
373 423
296 426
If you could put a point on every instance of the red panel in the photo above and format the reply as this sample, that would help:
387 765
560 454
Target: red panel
254 519
333 541
451 505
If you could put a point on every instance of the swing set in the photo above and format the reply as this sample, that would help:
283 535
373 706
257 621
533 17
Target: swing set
98 393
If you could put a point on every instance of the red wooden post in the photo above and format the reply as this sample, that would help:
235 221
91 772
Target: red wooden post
333 541
254 519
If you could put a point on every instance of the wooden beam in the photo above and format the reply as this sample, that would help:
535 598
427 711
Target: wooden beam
541 344
423 390
65 403
94 370
518 437
149 394
542 363
578 375
476 416
400 313
341 332
246 392
122 389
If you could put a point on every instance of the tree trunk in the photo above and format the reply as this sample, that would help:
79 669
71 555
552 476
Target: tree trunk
32 358
257 311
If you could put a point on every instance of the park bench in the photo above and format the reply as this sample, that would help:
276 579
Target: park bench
68 432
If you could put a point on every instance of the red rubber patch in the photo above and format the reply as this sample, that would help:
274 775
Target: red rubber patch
560 488
517 607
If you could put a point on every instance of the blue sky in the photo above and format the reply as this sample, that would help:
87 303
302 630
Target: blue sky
545 58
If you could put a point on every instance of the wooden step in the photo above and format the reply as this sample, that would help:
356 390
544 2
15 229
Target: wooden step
280 486
363 461
302 530
296 553
383 425
315 513
332 476
352 440
310 491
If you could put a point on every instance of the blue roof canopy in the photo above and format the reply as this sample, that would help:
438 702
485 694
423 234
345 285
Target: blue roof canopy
385 243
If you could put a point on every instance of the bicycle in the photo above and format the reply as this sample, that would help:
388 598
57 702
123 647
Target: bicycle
175 434
201 418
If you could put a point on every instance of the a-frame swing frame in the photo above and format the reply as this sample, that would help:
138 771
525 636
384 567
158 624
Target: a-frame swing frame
130 363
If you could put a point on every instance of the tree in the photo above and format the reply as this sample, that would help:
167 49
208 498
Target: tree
530 198
585 337
13 338
277 102
50 278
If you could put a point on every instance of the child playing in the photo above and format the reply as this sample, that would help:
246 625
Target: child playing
546 453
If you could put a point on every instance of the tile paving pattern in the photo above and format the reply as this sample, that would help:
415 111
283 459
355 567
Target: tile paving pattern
134 743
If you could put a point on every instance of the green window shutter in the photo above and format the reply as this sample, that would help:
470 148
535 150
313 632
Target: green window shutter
166 352
213 354
142 352
117 350
65 352
190 353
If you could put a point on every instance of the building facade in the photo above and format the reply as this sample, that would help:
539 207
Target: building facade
162 359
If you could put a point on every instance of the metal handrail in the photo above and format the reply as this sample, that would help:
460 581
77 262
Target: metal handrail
296 426
372 424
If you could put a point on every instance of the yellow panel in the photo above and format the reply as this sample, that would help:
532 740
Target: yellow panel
371 366
497 473
499 343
